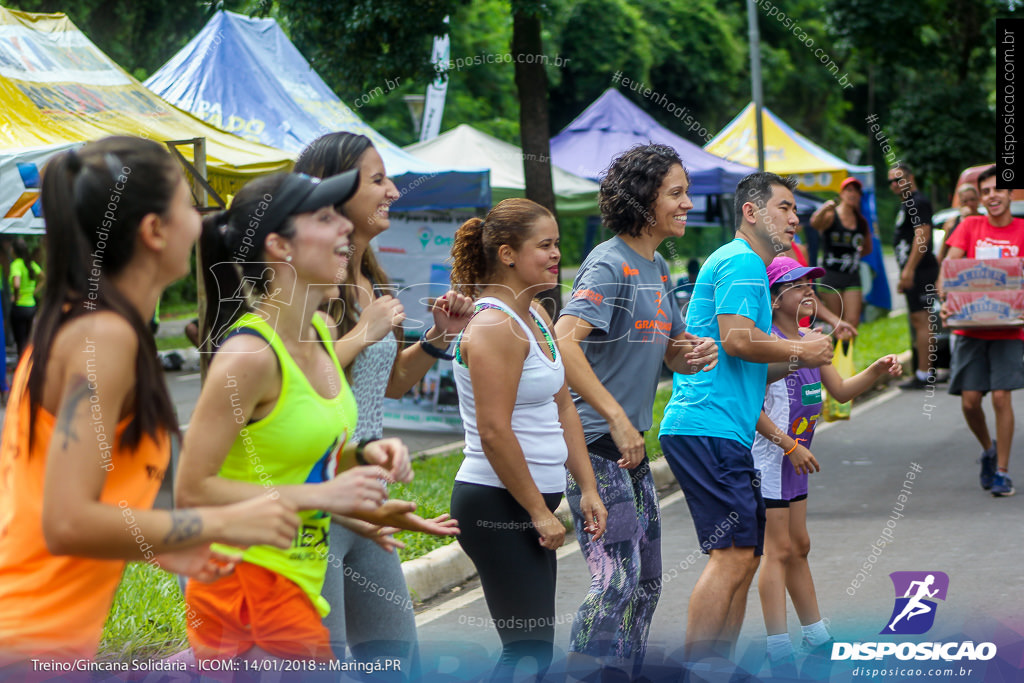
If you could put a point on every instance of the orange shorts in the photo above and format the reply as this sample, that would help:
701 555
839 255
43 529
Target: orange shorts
254 607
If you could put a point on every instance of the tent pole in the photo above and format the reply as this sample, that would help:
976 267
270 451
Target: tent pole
755 78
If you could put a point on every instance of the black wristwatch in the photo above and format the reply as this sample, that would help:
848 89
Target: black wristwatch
433 351
360 447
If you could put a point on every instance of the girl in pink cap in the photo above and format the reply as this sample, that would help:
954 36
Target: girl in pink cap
792 406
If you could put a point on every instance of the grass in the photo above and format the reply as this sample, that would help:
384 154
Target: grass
878 338
431 490
147 620
177 341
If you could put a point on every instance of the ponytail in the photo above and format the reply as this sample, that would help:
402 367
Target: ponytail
220 280
475 249
231 250
93 202
469 262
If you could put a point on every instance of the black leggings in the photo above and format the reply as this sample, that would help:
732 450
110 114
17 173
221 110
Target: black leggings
516 573
21 325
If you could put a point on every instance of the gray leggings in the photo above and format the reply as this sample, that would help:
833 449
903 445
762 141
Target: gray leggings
370 607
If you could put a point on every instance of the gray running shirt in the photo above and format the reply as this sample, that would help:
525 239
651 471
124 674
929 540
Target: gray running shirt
631 305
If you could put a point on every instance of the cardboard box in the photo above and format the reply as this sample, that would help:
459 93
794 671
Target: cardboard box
981 275
985 309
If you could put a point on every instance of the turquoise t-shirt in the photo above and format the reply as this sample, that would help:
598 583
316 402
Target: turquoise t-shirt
726 401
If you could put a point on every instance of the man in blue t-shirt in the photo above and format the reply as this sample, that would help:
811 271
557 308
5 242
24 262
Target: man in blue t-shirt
708 427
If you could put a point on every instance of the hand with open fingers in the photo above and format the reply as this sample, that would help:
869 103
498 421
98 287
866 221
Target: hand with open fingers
442 525
803 460
629 441
384 536
398 513
392 455
381 535
594 512
551 530
357 491
201 563
262 520
452 312
382 315
703 353
888 364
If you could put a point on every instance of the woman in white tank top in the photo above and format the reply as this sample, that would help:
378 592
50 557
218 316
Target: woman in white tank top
522 430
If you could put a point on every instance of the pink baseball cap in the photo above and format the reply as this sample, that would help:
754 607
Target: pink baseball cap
785 269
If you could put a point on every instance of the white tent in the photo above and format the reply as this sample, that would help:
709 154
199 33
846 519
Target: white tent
466 146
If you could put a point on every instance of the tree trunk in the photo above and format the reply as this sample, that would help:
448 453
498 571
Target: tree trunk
532 84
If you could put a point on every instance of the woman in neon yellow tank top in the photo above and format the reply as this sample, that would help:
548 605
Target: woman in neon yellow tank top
275 415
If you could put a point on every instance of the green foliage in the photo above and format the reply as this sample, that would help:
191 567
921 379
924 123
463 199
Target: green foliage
940 124
879 338
431 490
699 59
355 46
147 619
626 44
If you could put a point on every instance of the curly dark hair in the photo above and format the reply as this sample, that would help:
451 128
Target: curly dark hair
630 187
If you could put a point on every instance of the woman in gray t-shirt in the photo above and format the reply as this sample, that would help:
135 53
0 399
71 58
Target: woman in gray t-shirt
621 323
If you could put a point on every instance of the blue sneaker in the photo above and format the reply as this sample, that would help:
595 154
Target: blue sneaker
988 467
1001 485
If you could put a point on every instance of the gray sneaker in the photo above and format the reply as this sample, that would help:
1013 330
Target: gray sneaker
988 466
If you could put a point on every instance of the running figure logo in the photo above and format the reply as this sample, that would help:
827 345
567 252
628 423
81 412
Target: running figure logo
914 611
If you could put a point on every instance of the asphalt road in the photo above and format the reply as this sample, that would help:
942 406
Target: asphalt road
948 524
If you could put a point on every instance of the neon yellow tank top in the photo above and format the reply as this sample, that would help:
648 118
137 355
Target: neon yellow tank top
293 444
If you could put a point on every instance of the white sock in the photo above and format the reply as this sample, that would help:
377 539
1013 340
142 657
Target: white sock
921 375
779 646
816 634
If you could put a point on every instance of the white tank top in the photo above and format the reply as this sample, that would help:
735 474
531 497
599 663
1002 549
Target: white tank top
534 418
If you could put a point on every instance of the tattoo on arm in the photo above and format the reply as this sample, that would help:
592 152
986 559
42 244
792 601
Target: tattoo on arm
185 525
80 391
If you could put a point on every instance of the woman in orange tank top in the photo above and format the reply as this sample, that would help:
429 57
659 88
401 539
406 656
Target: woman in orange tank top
86 439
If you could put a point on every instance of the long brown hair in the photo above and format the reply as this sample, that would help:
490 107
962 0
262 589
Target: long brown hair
327 156
83 220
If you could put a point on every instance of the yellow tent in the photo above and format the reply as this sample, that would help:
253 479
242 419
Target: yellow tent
59 90
786 152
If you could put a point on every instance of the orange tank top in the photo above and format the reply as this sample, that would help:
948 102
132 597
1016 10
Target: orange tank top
56 605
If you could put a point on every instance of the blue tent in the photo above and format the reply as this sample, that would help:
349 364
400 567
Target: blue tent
612 124
243 75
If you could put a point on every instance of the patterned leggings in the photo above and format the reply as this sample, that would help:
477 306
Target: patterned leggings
625 564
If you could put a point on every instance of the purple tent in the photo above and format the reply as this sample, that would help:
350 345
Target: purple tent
613 124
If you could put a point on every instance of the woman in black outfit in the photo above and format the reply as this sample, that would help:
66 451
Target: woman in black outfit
846 239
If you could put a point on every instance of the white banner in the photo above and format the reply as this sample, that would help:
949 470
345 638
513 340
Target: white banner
433 108
21 172
415 252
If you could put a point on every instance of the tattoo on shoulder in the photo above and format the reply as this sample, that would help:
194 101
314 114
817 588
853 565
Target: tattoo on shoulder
185 525
80 391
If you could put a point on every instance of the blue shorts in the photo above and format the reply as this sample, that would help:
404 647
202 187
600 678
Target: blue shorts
720 484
